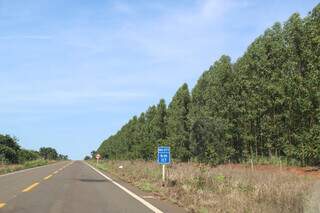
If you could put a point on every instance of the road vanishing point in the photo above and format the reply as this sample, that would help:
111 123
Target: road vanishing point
73 186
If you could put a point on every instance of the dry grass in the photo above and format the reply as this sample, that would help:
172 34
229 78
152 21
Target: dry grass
29 164
201 188
10 168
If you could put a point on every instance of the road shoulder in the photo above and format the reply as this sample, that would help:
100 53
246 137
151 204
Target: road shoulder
155 200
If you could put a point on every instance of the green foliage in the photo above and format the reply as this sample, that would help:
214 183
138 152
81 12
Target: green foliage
178 126
266 105
87 157
140 137
8 154
28 155
48 153
62 157
35 163
146 186
93 154
11 142
11 152
211 130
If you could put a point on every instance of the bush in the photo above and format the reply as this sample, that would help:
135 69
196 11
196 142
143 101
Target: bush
8 141
27 155
9 154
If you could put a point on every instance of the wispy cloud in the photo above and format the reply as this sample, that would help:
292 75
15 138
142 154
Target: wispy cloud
122 7
70 97
32 37
204 11
180 32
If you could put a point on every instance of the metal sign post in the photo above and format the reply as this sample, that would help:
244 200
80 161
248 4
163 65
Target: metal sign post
164 158
98 157
163 173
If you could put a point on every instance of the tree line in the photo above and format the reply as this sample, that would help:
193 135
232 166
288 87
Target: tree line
264 104
12 152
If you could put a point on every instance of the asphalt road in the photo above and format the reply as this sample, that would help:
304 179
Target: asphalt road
68 187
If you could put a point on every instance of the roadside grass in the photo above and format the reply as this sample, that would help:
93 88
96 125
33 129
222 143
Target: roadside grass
4 169
201 188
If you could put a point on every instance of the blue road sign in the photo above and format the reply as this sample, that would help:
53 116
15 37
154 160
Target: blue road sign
164 155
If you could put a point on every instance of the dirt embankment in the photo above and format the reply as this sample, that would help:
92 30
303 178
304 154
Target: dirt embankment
309 171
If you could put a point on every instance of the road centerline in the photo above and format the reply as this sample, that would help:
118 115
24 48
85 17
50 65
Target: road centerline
46 178
57 171
30 187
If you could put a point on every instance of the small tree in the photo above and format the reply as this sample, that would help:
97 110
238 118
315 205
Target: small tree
87 157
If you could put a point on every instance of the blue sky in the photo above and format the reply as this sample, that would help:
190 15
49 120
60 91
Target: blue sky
73 72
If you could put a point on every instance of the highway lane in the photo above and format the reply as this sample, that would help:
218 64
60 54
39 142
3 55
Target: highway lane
13 183
65 188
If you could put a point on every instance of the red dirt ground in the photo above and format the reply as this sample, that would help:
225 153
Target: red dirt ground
309 171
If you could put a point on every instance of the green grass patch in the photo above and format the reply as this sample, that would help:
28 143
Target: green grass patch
35 163
146 186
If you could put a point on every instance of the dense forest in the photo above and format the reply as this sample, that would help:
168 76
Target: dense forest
265 104
11 152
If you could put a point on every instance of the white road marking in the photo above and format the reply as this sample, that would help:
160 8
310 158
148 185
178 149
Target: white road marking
153 208
148 197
